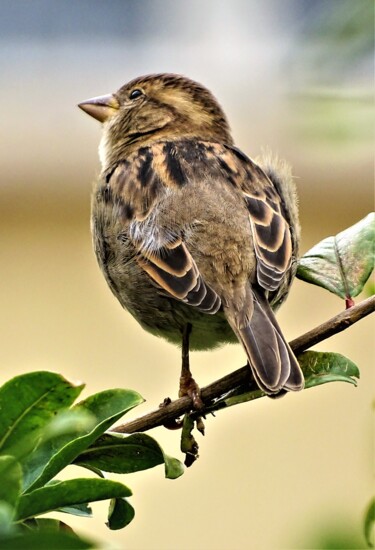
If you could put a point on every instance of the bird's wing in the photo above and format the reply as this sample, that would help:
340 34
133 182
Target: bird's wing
273 364
137 186
270 228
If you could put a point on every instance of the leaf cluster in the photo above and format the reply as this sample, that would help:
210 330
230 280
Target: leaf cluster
42 432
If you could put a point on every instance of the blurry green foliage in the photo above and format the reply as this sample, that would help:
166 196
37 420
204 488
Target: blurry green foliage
332 74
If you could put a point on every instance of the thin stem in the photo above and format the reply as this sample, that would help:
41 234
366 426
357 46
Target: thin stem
336 324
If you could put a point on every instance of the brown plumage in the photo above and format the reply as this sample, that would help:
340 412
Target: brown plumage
196 240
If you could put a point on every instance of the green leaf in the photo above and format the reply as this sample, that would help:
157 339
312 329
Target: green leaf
107 407
188 444
11 480
173 467
10 489
40 540
342 264
68 423
68 493
322 367
370 524
82 510
44 524
120 513
236 397
27 404
96 471
124 454
6 518
65 427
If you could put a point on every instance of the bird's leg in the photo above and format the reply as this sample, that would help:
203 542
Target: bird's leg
188 385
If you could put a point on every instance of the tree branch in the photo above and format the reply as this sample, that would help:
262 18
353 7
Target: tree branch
336 324
242 376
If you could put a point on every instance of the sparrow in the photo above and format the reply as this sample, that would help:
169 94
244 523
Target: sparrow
196 240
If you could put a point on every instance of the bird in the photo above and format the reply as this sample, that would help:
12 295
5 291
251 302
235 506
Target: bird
197 241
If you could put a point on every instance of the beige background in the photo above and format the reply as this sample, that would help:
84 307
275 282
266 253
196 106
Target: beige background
272 474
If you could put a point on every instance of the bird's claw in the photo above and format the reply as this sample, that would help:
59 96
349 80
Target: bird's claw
189 387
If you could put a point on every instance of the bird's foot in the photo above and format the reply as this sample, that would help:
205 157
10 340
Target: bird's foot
189 387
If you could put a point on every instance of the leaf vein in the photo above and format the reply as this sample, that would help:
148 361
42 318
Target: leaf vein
16 422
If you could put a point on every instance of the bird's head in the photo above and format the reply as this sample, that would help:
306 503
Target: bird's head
154 107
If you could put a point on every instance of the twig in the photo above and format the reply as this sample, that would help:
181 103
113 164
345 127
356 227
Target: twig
337 324
240 377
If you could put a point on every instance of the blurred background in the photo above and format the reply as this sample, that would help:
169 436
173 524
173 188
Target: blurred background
295 76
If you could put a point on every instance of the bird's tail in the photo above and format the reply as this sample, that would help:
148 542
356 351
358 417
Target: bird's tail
271 359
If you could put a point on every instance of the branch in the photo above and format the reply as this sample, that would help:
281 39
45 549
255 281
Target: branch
240 377
336 324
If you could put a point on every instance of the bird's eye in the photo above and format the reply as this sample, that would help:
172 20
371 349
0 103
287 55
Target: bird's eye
135 93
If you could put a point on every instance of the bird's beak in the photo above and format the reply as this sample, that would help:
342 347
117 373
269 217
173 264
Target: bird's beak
101 108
